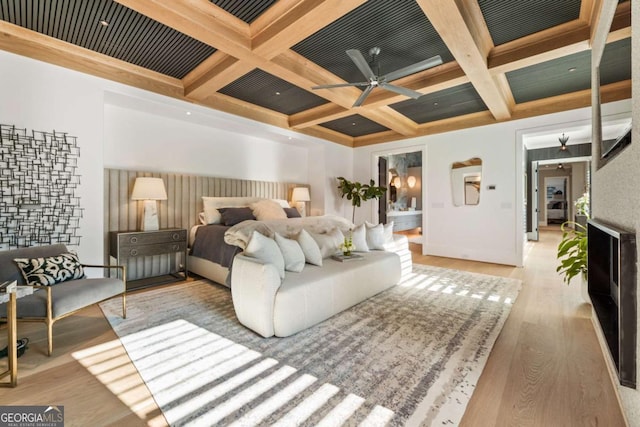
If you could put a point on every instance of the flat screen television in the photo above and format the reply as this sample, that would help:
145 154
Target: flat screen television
612 146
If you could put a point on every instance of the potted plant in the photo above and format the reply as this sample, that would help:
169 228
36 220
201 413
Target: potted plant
358 193
582 209
572 254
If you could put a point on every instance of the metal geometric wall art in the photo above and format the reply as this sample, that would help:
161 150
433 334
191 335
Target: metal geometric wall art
38 183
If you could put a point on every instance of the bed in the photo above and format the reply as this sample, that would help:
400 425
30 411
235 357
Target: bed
228 222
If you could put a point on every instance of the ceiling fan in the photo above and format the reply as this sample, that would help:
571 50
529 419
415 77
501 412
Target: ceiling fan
381 81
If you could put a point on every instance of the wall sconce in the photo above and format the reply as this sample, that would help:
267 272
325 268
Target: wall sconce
149 190
300 196
397 182
411 181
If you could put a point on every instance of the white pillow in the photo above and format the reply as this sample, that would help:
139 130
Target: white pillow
388 232
202 218
375 236
266 250
283 203
328 243
359 238
291 252
310 248
267 209
211 205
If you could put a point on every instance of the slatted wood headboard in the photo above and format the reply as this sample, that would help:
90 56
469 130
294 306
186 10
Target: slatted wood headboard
180 210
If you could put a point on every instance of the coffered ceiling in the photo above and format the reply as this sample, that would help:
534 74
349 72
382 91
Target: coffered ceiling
502 59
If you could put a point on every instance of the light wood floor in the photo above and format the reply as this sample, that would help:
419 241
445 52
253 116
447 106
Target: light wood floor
546 368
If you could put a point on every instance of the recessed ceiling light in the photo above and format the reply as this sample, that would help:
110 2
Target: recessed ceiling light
353 124
290 138
188 113
435 104
104 22
572 69
277 93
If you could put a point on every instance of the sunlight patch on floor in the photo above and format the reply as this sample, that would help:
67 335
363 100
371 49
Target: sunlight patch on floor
447 285
201 378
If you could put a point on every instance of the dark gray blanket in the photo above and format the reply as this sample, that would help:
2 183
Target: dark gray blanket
209 244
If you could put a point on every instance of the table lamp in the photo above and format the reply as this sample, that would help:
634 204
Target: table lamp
149 190
300 196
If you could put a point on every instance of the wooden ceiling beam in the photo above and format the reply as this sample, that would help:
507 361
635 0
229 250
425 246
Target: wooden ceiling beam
553 43
282 26
213 74
199 19
191 18
449 22
38 46
321 114
328 134
232 105
580 99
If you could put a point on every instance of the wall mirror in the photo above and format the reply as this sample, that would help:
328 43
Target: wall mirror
466 179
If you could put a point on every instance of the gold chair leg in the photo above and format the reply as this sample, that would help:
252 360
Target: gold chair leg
124 306
50 337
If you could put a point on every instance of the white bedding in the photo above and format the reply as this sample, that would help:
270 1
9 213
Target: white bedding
239 234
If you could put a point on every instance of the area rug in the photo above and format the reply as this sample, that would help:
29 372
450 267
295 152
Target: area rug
411 355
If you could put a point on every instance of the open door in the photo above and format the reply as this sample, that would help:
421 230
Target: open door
382 181
535 208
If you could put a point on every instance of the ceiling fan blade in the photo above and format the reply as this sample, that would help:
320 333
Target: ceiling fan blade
401 90
412 69
341 85
362 64
362 97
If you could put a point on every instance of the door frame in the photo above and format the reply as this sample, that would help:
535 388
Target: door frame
535 207
374 173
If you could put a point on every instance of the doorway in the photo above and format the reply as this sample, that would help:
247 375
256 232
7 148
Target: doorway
401 172
556 186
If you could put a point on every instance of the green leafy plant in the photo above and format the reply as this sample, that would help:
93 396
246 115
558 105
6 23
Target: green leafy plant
358 193
582 205
572 251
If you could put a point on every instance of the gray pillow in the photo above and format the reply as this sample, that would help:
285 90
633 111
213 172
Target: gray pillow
232 216
292 213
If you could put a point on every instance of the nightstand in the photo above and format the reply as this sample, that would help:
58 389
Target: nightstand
135 249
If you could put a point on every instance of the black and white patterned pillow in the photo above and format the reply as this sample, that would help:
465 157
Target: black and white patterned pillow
50 270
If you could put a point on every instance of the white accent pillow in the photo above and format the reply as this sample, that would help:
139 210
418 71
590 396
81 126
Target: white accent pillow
310 248
388 232
283 203
266 250
328 243
202 218
267 209
375 236
291 252
211 205
359 238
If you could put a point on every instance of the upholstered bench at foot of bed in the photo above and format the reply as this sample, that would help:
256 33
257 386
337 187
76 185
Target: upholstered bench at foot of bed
271 306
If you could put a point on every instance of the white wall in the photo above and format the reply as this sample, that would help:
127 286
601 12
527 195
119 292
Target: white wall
493 230
38 96
123 127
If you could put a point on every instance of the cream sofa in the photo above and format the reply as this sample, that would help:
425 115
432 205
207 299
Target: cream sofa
272 306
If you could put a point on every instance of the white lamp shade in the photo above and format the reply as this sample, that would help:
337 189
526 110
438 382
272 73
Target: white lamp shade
411 181
397 182
147 188
300 194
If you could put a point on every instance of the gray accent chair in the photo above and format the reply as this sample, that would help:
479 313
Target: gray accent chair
51 303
